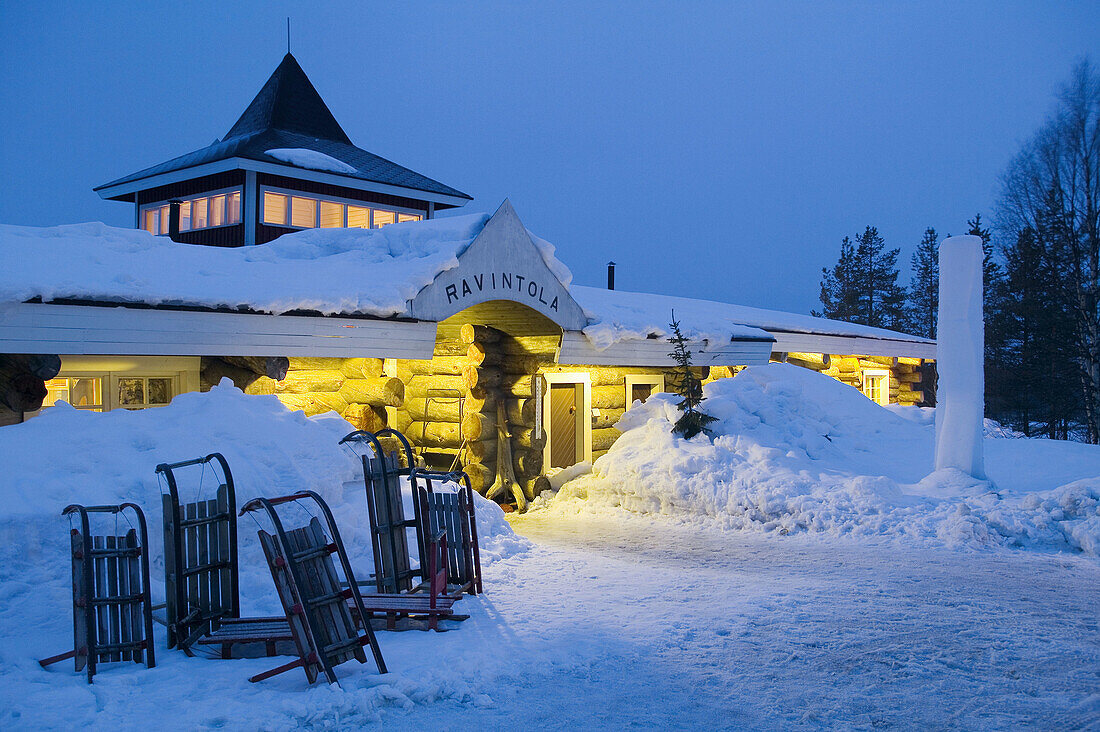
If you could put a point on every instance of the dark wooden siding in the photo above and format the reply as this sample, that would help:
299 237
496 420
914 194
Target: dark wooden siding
222 236
265 233
194 187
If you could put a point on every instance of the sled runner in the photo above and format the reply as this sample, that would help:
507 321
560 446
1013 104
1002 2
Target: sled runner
315 599
112 612
201 585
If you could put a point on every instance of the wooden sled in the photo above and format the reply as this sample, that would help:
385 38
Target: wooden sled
112 611
315 600
201 585
402 590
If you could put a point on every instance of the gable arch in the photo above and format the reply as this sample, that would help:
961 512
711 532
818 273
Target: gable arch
501 263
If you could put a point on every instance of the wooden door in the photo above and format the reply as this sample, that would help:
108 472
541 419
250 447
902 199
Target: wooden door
564 427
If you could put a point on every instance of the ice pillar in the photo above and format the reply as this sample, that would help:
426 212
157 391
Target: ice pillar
960 351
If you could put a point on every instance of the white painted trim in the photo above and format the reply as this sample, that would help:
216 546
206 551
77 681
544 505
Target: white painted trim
90 330
851 345
584 419
655 380
290 171
318 198
192 197
875 373
577 349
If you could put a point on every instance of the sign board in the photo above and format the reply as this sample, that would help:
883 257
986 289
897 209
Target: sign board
501 263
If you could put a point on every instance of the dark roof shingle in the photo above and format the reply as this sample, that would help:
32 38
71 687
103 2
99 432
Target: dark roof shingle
289 113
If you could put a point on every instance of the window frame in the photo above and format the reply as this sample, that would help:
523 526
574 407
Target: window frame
114 377
205 194
657 381
884 375
290 193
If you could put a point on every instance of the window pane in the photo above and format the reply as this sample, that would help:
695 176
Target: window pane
233 215
274 208
131 392
332 215
152 219
86 392
402 218
160 391
56 390
164 219
199 218
303 212
185 216
358 217
381 218
217 210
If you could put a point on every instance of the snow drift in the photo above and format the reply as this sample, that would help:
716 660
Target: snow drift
69 456
797 451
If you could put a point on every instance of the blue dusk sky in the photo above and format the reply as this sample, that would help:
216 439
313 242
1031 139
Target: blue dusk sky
717 150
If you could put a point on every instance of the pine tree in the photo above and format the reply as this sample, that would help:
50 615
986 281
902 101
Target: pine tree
881 298
687 384
862 286
839 287
924 286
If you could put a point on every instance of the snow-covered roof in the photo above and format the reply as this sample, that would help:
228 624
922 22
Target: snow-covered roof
332 271
347 272
616 315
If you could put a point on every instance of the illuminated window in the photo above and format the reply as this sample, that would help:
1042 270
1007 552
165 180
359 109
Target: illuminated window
876 385
402 218
274 208
152 221
332 215
358 217
217 211
185 216
233 215
81 392
382 218
139 392
303 212
199 213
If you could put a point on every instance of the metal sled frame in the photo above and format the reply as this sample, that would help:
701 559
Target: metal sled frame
382 473
112 617
312 595
452 514
201 574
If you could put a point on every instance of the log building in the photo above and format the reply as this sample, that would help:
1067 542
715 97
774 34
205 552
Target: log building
492 360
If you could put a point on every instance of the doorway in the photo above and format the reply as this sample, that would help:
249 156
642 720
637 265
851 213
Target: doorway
566 419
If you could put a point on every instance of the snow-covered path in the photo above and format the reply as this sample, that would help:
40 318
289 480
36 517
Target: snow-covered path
677 626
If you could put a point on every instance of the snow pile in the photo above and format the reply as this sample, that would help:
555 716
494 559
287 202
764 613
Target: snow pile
616 315
305 158
327 270
68 456
798 451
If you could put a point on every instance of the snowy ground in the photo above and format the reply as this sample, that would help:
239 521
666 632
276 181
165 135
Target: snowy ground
830 588
622 621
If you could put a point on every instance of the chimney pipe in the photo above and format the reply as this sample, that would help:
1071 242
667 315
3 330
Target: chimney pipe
174 219
611 275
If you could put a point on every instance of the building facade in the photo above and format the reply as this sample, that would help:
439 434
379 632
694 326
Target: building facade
499 364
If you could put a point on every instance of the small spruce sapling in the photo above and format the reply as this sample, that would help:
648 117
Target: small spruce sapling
688 385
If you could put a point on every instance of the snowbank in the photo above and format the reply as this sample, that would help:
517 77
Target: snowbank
369 271
68 456
798 451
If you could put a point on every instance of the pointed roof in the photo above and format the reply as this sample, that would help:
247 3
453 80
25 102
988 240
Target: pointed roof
289 102
286 116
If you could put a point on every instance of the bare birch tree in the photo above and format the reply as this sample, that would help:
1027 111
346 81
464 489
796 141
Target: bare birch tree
1052 186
